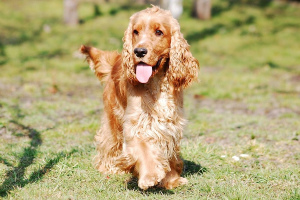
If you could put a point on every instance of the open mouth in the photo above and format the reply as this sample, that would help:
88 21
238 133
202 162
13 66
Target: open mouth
144 71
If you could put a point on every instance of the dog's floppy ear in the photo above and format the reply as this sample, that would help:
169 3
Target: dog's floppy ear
183 67
127 60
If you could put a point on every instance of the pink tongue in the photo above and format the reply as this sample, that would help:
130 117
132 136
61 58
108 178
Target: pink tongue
143 72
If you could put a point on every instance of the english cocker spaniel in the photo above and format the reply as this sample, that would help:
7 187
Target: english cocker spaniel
143 116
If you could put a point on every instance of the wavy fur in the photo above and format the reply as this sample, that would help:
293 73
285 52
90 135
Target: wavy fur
142 123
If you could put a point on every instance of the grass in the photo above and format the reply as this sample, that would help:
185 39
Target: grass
246 104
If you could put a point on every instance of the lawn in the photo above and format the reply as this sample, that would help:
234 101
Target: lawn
242 140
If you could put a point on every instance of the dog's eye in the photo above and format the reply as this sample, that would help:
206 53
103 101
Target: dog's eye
159 33
135 32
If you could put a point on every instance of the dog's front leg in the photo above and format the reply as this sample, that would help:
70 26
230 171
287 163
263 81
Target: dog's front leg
149 166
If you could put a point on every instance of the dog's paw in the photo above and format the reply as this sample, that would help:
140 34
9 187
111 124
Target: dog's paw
175 183
150 180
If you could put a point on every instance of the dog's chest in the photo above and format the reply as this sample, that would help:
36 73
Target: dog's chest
160 99
162 104
155 111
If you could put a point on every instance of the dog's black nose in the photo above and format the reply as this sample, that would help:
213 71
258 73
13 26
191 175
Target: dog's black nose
140 52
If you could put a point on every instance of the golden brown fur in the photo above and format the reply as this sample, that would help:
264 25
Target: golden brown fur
142 123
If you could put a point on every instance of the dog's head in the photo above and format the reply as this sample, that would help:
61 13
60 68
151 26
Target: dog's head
153 42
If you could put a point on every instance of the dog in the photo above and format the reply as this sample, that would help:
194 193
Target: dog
143 117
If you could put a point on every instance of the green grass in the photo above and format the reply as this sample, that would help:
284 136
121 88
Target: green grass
246 102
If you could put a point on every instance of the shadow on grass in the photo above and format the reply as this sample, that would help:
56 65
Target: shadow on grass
113 11
97 13
227 25
218 9
128 7
219 27
15 177
190 168
258 3
3 57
